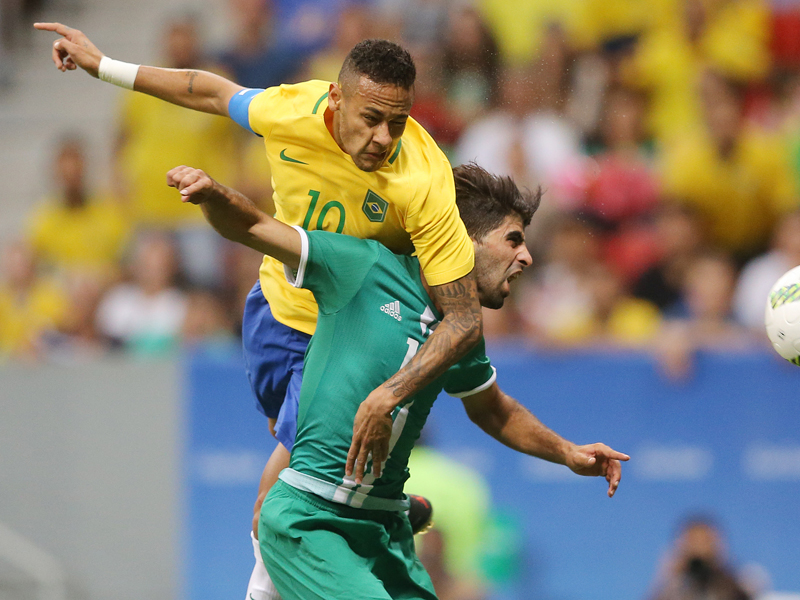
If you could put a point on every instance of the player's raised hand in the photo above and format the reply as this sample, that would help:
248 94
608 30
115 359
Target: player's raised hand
73 50
372 431
598 460
193 184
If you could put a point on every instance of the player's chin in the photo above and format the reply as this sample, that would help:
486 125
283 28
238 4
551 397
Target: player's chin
494 301
371 161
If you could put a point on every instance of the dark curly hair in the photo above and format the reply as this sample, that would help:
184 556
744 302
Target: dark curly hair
484 200
381 61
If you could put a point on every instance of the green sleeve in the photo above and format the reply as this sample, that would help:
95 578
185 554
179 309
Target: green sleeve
333 267
472 374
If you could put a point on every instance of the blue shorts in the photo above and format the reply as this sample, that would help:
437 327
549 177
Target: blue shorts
273 359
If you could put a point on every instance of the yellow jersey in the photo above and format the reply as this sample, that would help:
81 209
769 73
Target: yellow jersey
408 204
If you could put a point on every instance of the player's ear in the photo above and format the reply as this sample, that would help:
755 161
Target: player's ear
334 97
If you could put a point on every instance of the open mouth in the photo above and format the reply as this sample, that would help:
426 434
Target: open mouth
513 276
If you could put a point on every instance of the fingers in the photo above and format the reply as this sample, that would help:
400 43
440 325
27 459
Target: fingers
613 476
61 54
188 191
352 454
188 181
56 27
606 452
359 456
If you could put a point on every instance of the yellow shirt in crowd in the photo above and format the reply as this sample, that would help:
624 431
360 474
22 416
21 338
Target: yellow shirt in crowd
160 136
89 238
24 319
742 197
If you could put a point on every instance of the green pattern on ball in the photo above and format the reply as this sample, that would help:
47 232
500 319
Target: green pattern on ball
785 295
795 360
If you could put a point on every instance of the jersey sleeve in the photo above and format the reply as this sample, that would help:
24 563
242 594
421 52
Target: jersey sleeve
440 238
332 266
239 107
472 374
255 109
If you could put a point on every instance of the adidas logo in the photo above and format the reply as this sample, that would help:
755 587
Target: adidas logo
392 309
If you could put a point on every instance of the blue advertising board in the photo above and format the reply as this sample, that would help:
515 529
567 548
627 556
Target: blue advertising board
726 443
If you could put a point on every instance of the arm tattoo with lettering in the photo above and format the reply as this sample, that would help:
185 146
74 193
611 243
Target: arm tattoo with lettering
459 331
192 76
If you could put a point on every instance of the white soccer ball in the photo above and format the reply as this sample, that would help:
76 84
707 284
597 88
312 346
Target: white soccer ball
783 316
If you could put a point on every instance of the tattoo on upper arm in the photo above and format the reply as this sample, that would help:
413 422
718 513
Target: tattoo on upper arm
192 76
460 328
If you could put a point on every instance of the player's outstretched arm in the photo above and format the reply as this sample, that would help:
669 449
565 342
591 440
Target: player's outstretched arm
236 217
505 419
198 90
458 332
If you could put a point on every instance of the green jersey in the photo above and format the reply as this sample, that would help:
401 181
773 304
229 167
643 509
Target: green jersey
374 313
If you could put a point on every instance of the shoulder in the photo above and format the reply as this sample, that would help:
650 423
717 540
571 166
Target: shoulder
421 162
306 97
418 147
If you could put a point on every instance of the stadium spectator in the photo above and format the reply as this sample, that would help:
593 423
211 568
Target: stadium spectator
419 23
738 177
697 568
431 107
353 24
78 336
145 314
730 36
30 306
622 190
78 230
154 136
703 317
679 236
522 138
255 59
470 63
208 321
553 302
617 318
760 274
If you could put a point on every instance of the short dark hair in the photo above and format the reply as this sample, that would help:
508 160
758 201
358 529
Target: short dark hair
380 61
485 200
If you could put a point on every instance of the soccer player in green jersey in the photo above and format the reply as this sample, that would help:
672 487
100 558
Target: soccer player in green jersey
327 533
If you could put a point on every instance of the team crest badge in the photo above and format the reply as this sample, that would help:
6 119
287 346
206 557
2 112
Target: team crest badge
375 207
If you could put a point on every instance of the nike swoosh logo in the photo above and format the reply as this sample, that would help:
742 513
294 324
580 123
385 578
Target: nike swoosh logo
290 159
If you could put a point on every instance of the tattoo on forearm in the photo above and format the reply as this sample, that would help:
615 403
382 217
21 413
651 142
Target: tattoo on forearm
192 76
447 344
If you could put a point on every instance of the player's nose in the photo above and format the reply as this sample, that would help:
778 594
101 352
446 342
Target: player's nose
524 256
381 135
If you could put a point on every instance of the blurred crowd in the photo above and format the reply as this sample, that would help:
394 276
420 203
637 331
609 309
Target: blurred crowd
665 135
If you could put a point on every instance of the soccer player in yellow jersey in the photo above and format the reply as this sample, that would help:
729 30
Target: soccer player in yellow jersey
345 157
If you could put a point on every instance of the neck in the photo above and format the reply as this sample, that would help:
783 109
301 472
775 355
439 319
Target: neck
332 124
74 198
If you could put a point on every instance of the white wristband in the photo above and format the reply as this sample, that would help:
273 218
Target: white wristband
117 72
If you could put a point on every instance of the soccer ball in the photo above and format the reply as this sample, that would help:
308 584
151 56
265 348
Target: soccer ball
783 316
